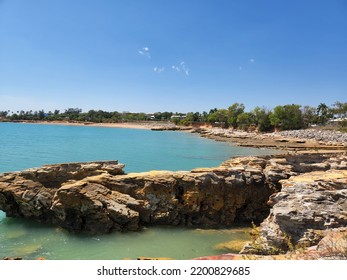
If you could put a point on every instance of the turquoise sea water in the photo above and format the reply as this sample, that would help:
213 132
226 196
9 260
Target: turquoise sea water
31 145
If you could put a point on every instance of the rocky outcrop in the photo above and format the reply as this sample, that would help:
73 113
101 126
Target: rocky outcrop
309 207
103 201
31 193
99 197
331 137
306 139
170 128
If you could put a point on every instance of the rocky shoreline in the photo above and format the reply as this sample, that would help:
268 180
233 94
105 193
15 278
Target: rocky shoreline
295 140
326 136
310 207
300 199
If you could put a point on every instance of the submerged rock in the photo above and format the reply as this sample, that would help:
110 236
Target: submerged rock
231 246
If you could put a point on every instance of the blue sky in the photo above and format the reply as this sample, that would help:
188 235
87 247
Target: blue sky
180 56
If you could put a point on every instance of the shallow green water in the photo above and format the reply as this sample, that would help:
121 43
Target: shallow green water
29 145
32 240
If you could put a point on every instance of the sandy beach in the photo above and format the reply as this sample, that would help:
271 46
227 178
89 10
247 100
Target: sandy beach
132 125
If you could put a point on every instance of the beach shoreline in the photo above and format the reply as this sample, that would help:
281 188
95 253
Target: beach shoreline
298 157
131 125
299 142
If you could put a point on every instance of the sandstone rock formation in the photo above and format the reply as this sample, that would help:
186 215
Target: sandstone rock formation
309 207
31 193
98 197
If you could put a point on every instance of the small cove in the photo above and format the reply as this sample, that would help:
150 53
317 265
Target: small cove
29 145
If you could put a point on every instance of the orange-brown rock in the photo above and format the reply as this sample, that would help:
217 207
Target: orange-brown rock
309 207
99 197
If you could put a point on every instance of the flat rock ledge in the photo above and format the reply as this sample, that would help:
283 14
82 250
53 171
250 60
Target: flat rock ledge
98 197
295 140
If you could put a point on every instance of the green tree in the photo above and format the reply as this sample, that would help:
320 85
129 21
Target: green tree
166 115
340 109
191 118
41 114
188 120
14 116
233 112
323 113
213 110
204 116
245 120
219 117
72 113
262 119
309 116
287 117
3 114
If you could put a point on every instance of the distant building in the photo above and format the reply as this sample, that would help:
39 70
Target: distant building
336 121
181 117
150 116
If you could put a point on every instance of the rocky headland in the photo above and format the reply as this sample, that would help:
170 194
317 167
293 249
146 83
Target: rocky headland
299 200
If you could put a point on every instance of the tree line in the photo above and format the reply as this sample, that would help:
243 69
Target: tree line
286 117
76 115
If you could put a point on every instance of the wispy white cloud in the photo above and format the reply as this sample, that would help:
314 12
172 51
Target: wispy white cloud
181 67
145 51
245 65
184 68
158 70
176 68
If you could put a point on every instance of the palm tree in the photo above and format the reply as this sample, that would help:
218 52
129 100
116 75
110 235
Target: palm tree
322 113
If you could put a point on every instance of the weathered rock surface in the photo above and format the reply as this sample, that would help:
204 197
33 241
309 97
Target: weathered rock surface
33 192
309 207
103 202
328 136
332 246
98 197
